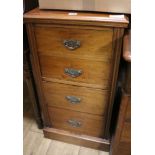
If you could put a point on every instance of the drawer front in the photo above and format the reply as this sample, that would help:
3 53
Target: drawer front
78 42
77 122
91 73
75 98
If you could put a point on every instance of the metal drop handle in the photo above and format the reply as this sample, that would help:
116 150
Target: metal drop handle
71 44
73 72
73 99
74 123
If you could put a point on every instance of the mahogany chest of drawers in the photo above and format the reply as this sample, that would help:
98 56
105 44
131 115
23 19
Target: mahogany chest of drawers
75 59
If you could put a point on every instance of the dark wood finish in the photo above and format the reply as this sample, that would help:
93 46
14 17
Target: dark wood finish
82 18
121 139
117 46
127 81
56 93
29 5
82 140
28 78
92 125
100 69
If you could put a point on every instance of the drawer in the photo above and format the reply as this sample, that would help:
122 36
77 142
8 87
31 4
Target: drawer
76 122
76 98
84 72
74 42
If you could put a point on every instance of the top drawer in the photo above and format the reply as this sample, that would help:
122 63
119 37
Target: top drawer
74 41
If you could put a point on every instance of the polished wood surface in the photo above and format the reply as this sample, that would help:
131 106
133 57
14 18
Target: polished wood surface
96 44
93 72
82 18
92 125
35 143
99 63
82 140
93 101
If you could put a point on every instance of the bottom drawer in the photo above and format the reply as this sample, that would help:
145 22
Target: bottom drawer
77 122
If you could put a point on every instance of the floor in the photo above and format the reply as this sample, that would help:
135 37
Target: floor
35 143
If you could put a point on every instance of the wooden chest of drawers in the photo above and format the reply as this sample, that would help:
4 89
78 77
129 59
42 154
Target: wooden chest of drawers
75 60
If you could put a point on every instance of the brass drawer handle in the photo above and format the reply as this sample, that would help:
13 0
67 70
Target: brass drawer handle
72 44
73 72
74 123
73 99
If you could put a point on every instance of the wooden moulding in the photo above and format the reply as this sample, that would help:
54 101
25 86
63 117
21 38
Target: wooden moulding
82 140
36 73
82 18
117 46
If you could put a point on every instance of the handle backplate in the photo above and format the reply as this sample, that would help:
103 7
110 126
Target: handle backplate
74 123
71 44
73 99
73 72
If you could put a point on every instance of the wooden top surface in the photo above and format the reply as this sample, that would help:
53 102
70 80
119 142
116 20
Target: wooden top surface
44 16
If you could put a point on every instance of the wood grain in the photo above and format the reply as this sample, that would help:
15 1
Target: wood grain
126 133
30 147
117 46
60 148
45 146
88 151
124 148
36 73
93 72
103 153
82 18
27 123
99 73
60 117
82 140
93 101
95 44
